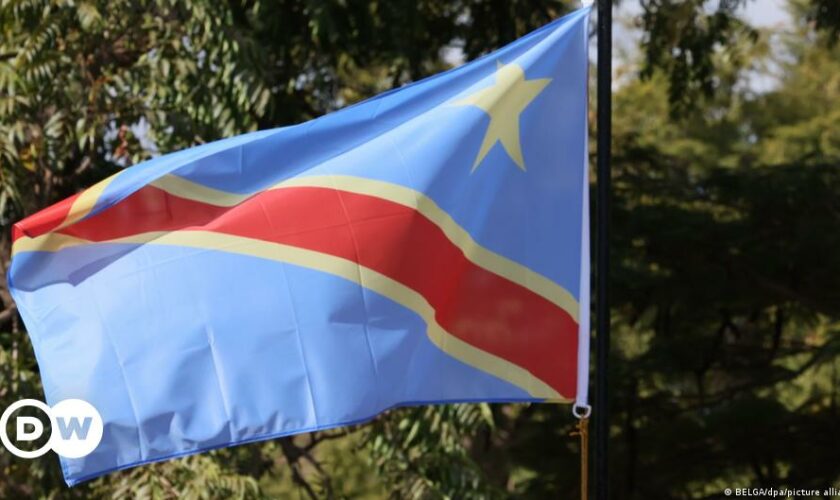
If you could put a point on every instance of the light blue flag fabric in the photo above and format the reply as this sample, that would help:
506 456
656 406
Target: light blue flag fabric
429 245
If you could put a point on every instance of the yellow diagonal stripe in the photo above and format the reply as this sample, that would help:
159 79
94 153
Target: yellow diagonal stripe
83 205
337 266
183 188
479 255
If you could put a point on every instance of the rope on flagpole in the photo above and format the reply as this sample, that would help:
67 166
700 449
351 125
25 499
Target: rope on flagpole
582 413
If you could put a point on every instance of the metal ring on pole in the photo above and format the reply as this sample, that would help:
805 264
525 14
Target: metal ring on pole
581 411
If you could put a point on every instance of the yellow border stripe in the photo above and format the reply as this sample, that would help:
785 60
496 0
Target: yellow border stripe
183 188
498 264
337 266
83 205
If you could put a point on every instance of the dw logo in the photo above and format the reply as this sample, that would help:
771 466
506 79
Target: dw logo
76 428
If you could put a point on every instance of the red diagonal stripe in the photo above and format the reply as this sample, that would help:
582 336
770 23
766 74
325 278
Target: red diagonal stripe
472 303
45 220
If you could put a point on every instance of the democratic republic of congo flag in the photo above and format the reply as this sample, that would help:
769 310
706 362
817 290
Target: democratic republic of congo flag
429 245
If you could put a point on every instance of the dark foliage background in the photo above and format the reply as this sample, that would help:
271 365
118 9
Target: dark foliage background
726 264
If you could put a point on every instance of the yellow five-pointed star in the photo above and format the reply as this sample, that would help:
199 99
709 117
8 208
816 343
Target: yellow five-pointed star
504 101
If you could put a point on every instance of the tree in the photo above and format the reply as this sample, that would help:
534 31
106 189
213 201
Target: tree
726 302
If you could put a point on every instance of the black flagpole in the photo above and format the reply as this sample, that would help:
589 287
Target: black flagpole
604 130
